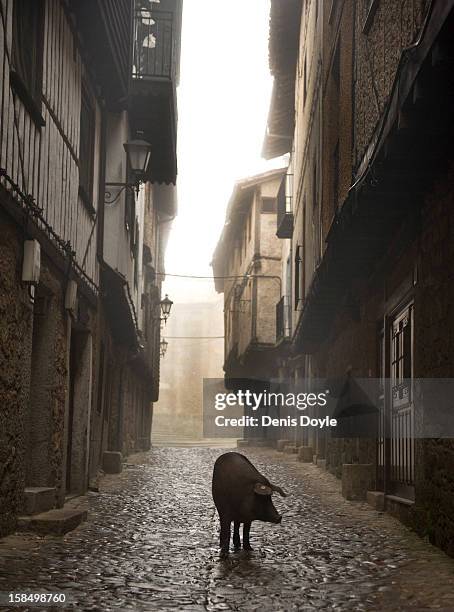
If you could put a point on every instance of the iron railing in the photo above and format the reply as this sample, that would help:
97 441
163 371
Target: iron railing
153 54
283 314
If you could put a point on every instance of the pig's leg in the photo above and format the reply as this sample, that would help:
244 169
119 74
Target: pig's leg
236 536
246 542
225 535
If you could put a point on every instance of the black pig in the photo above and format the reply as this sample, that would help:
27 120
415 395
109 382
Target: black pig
242 495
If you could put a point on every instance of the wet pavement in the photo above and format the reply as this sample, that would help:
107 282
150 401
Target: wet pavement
151 543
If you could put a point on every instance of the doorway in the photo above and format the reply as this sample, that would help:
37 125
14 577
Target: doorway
396 441
42 376
79 413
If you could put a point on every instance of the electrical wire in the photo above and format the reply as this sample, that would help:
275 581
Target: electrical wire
194 337
201 277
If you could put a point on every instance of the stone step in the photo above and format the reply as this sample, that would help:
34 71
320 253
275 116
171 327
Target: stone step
53 522
39 499
290 449
281 444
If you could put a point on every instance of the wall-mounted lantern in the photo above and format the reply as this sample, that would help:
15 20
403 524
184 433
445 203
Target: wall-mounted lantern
138 153
166 307
163 347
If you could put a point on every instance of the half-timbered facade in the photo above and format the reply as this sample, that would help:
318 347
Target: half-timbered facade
80 259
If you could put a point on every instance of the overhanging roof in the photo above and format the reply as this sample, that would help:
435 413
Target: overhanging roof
285 20
119 307
242 190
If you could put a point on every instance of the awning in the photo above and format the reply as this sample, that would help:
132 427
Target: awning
119 308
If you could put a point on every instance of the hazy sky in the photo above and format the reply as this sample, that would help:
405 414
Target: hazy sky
223 102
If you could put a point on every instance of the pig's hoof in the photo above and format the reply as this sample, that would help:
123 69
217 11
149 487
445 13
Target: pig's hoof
236 547
248 547
224 553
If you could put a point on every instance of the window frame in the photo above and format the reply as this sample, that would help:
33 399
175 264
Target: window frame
263 207
401 357
86 189
30 93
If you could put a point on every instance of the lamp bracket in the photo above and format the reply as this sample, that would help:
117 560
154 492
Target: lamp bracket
110 199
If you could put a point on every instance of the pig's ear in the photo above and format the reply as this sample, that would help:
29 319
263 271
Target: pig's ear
262 489
278 490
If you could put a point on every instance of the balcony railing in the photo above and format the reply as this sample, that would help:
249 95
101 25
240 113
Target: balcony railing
283 318
285 208
153 55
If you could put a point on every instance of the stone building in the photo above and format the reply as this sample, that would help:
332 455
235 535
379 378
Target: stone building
82 234
247 265
362 104
194 353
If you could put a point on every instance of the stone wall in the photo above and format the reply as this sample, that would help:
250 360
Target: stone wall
434 356
354 344
186 363
34 384
15 340
395 26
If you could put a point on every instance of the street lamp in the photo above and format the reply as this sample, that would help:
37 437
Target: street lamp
138 153
166 307
163 347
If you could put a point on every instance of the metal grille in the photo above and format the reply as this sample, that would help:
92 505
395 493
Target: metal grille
401 402
381 439
153 44
396 440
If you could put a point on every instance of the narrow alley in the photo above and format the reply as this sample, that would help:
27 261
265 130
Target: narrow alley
150 543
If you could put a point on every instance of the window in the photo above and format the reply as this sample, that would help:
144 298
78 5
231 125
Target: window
100 385
268 205
402 356
298 276
316 224
87 146
335 166
314 187
27 51
136 253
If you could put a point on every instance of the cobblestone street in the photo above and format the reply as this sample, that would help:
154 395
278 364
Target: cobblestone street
151 543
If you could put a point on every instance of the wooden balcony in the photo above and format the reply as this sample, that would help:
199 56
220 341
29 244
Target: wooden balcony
155 73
